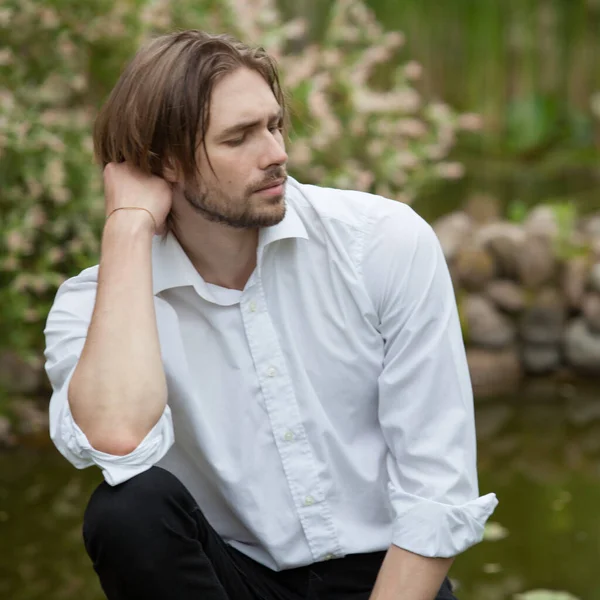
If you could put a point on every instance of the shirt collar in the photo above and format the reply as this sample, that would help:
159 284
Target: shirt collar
172 268
290 227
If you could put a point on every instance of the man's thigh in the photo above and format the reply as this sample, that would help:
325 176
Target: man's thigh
353 578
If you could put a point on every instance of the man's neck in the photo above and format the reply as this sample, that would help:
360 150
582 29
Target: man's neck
222 255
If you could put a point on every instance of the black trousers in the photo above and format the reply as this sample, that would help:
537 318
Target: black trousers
148 540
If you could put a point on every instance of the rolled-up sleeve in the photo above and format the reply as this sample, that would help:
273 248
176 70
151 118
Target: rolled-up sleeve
425 395
66 330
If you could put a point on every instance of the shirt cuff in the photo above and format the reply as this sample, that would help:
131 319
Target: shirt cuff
433 529
72 442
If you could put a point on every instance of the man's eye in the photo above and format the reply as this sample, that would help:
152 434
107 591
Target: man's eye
275 128
236 141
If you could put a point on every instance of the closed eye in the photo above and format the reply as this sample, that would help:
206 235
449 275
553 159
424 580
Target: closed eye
276 127
236 142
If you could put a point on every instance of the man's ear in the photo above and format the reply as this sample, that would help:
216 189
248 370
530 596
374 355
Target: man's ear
171 171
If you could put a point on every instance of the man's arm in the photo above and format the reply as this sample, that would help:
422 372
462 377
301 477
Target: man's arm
118 390
409 576
425 406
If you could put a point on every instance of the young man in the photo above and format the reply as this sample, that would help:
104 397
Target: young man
275 386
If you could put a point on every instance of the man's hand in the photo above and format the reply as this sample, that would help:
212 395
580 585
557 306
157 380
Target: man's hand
125 186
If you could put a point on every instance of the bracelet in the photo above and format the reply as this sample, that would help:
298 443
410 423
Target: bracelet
133 208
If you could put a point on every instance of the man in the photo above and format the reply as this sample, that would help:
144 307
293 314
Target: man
275 386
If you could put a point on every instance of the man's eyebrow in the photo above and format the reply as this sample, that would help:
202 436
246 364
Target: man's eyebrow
244 125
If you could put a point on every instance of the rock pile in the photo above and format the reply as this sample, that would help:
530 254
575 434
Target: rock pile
528 294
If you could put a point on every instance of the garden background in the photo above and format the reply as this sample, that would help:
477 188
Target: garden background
483 114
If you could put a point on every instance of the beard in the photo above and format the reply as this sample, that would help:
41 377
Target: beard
241 212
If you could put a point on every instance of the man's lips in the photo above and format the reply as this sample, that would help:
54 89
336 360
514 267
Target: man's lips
272 184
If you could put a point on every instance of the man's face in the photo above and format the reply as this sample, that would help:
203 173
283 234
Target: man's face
247 152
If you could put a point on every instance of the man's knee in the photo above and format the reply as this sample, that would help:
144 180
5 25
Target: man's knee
132 507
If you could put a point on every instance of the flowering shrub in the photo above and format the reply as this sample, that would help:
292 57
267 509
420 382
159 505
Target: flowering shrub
358 122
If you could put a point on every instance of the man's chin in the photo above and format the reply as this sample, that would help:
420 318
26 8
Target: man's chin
275 215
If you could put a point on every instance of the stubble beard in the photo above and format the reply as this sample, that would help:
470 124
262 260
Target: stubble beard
240 213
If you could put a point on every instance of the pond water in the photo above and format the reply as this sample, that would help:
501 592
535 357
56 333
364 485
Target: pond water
540 452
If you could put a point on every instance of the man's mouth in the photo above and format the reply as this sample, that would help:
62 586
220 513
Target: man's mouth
272 184
273 188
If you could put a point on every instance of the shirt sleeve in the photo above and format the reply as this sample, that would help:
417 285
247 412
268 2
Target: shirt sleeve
425 395
66 330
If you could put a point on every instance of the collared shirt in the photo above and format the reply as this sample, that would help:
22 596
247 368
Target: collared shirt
324 410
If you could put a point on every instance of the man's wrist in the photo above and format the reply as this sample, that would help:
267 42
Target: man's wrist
130 222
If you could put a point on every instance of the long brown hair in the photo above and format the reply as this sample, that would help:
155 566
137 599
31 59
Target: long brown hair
159 110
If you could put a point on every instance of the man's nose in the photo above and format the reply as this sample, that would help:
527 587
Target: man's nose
274 153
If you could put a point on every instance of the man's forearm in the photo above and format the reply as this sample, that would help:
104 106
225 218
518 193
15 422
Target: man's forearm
118 390
407 576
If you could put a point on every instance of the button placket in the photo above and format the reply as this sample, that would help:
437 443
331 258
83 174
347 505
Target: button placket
286 423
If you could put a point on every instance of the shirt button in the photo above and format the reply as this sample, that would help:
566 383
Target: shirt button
309 501
272 371
252 306
289 436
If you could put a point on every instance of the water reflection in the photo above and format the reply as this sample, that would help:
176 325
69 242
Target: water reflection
539 452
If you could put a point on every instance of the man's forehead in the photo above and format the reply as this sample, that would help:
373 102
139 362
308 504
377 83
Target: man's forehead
241 96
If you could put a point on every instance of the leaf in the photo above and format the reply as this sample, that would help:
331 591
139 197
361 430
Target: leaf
545 595
494 532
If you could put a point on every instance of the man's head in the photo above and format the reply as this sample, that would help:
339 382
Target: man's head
207 113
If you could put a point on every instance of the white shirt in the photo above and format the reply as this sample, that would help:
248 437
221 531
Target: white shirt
324 410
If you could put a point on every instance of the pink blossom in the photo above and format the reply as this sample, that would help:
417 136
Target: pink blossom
395 39
470 122
413 70
10 263
5 17
15 241
364 180
407 160
49 18
450 170
55 255
61 195
300 153
6 57
35 217
413 128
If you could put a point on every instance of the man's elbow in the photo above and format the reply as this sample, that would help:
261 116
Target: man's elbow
115 444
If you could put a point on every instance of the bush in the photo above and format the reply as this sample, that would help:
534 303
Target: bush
358 122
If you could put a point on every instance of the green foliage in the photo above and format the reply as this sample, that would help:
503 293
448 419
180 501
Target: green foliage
517 211
357 122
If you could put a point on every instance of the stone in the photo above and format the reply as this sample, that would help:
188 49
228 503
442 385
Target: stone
591 226
474 267
595 249
582 347
542 222
504 242
494 372
452 230
536 262
7 437
506 295
17 376
594 277
543 321
574 280
540 359
590 307
485 326
483 208
31 418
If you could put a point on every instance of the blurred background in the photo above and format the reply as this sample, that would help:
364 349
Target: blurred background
484 115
